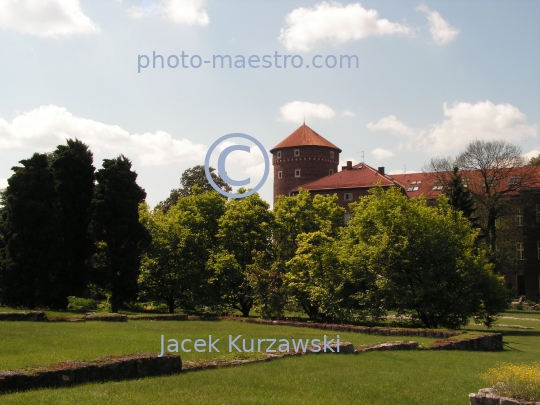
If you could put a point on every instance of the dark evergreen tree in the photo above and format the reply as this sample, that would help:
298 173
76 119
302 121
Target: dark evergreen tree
460 197
191 177
32 256
73 174
120 237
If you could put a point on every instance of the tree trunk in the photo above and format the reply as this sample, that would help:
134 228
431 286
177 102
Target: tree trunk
170 304
246 307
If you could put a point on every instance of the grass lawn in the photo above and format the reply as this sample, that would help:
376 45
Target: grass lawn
378 378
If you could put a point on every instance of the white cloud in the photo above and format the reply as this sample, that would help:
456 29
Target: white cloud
189 12
137 12
484 120
381 153
297 110
43 128
46 18
391 123
528 156
464 123
441 31
335 24
347 113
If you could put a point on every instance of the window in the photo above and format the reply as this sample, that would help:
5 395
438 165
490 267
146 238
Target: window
279 155
436 187
331 154
538 213
416 182
348 197
520 252
415 188
347 217
519 218
297 152
297 173
279 175
538 249
331 171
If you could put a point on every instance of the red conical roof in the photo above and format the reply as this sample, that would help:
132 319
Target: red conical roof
304 136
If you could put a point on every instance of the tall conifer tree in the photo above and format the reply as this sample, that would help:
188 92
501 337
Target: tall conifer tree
120 237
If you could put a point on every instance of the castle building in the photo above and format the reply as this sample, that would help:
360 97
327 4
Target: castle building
307 160
303 157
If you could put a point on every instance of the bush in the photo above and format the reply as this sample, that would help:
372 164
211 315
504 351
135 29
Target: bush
518 381
82 304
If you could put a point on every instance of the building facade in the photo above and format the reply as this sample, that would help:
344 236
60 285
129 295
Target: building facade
306 160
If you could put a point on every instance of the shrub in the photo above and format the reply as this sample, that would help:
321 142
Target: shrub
82 304
519 381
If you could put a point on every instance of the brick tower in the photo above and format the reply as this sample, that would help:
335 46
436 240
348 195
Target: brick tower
302 157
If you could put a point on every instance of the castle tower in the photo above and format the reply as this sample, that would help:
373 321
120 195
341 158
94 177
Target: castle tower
302 157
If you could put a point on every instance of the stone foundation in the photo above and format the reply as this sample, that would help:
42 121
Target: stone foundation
34 316
111 368
157 317
487 396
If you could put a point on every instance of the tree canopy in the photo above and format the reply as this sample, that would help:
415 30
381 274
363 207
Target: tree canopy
120 237
422 261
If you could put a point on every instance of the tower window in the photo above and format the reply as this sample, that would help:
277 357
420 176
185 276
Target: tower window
520 252
519 218
297 173
297 152
279 174
331 154
279 155
331 171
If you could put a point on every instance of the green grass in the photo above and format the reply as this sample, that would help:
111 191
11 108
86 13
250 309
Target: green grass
32 343
376 378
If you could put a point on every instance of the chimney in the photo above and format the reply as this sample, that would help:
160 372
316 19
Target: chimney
348 167
381 170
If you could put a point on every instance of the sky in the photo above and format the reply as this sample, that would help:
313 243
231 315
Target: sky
391 82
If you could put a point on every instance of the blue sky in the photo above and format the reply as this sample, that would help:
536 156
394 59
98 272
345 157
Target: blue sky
431 77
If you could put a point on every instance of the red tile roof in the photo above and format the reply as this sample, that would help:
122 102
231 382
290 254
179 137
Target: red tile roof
414 184
360 176
304 136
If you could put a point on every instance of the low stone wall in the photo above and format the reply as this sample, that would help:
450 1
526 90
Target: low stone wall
157 317
347 328
34 316
487 396
344 348
492 342
402 345
99 370
106 317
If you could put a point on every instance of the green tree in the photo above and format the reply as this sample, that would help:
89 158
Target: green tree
535 161
244 229
317 279
265 278
120 237
173 268
191 177
459 196
303 214
73 173
32 256
422 261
